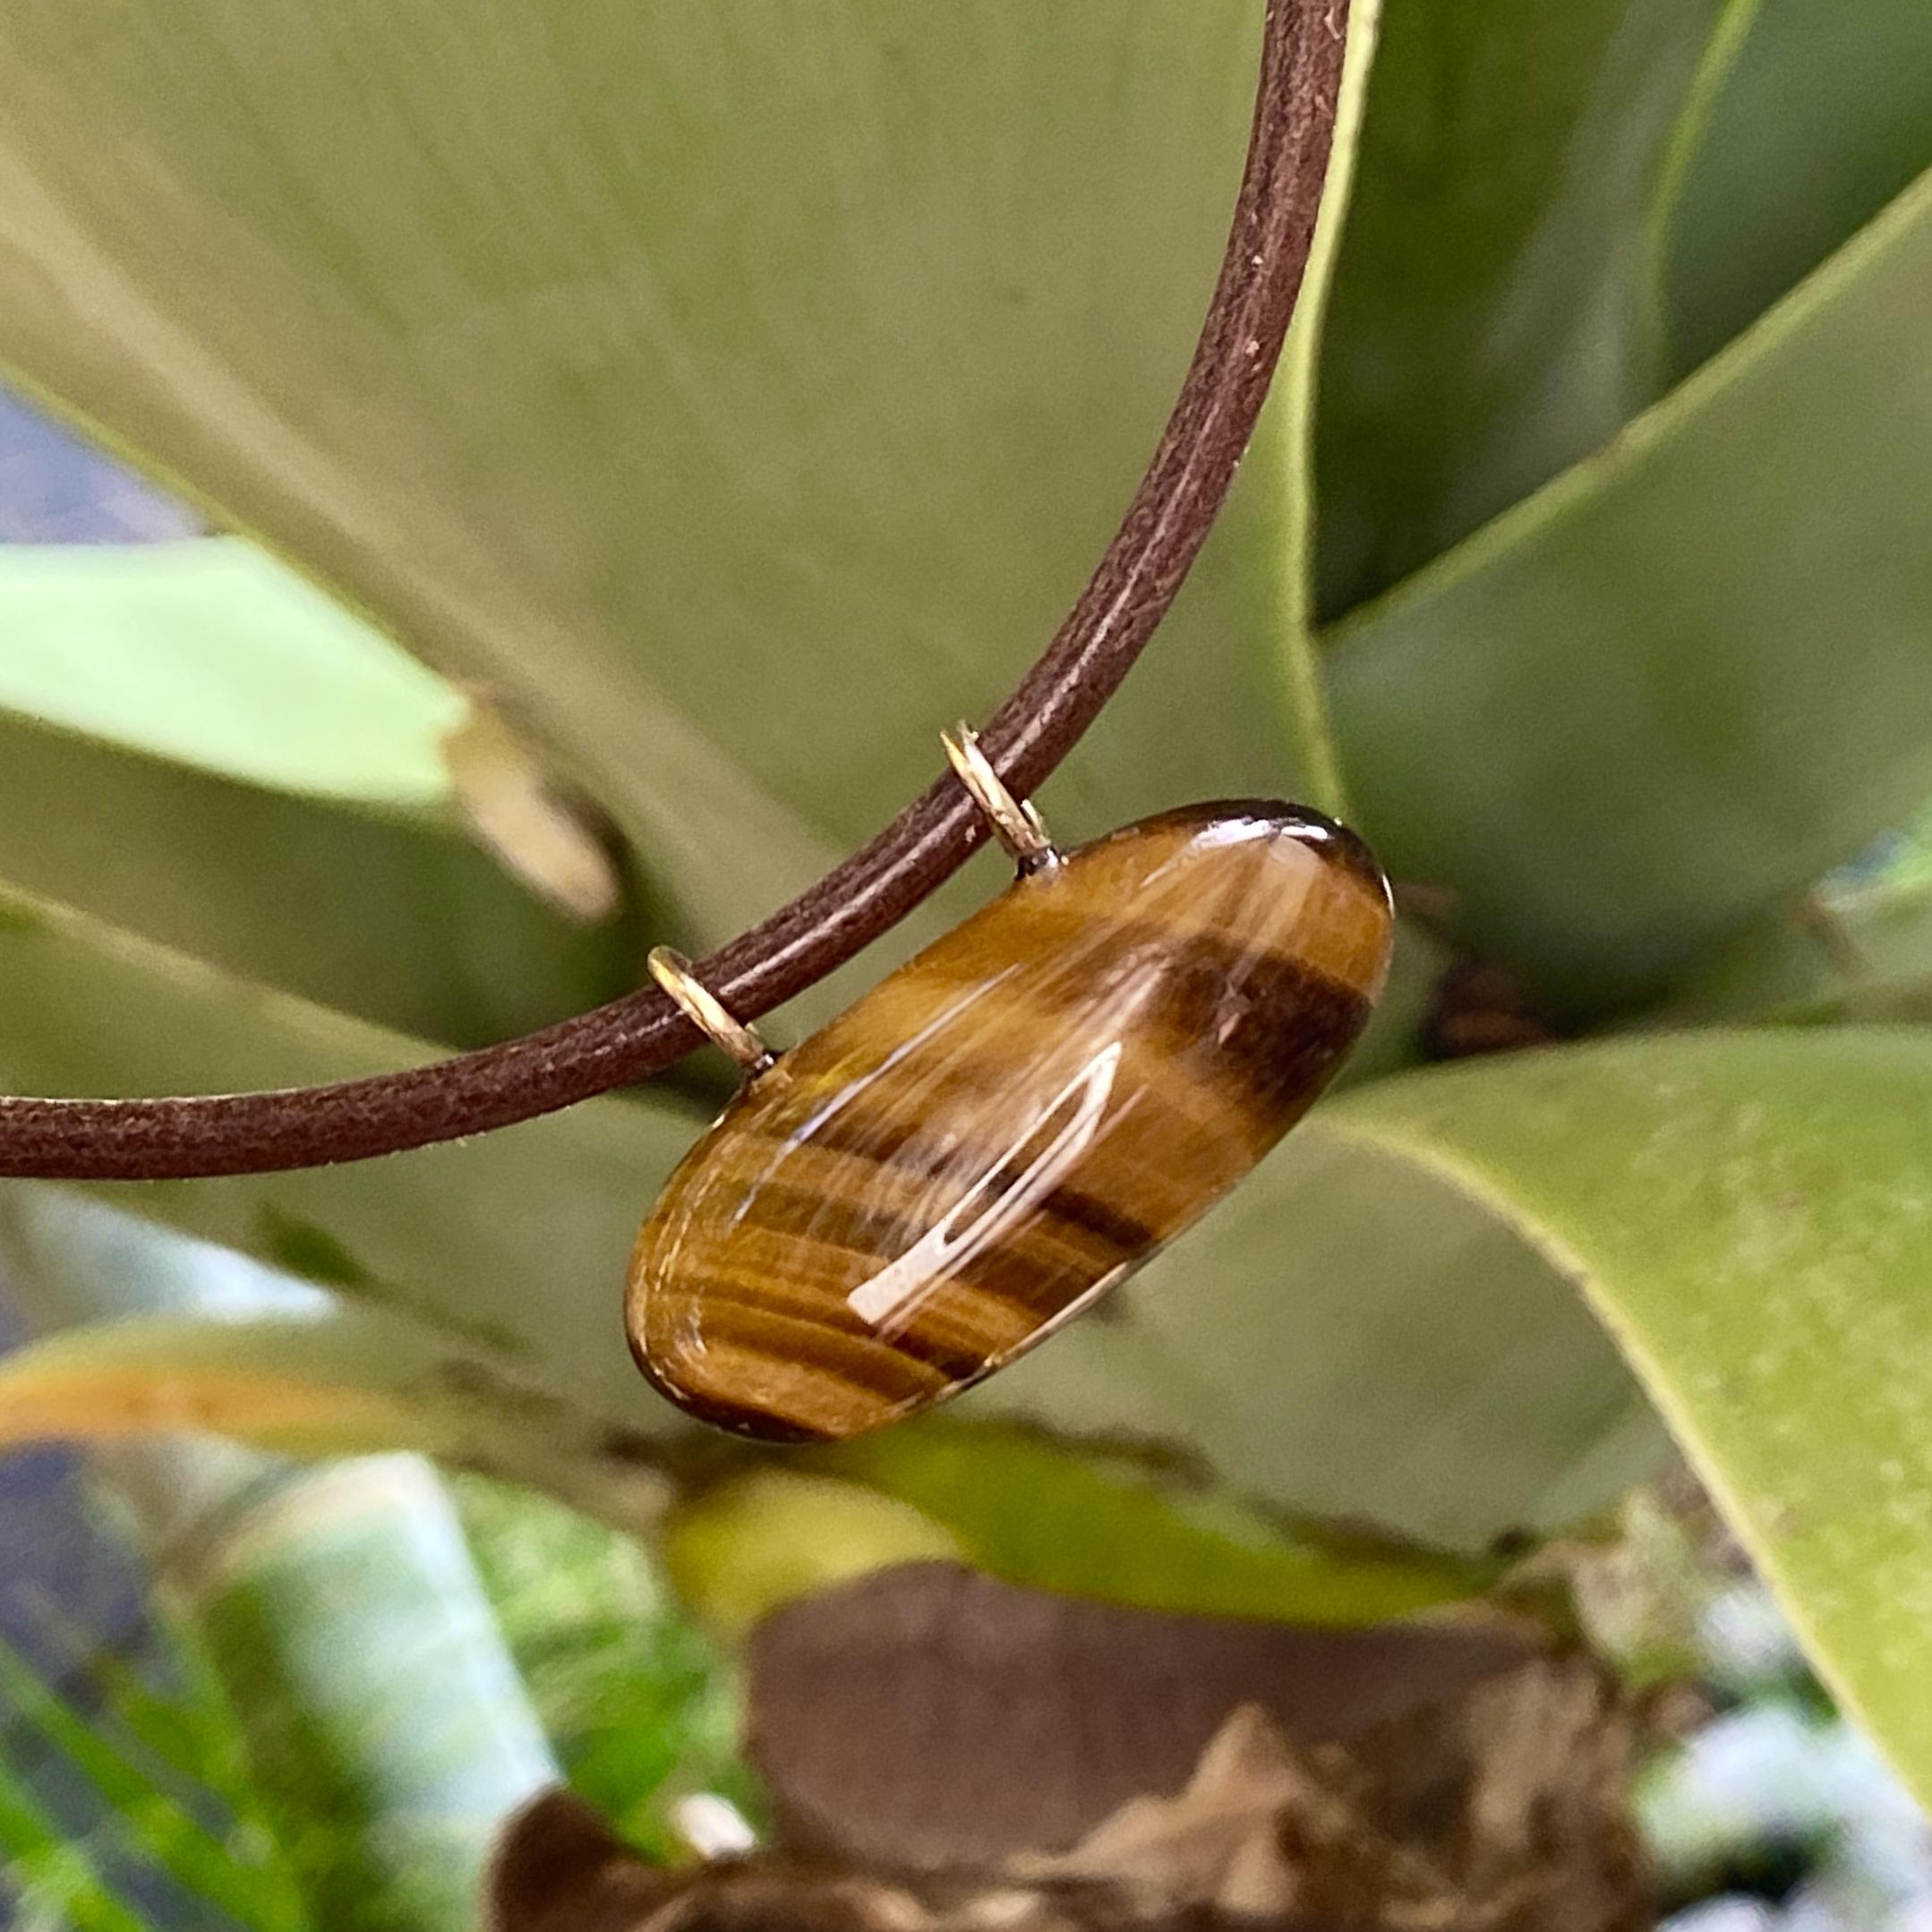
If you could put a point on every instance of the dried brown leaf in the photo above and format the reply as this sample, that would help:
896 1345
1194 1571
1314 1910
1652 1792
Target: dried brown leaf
930 1717
512 805
1426 1777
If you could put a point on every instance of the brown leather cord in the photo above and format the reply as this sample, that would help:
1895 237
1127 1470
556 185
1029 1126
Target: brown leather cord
1093 650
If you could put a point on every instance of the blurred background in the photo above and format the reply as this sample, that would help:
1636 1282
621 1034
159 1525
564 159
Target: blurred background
1534 1440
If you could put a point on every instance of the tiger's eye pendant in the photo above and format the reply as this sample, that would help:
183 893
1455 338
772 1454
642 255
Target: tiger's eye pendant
1010 1123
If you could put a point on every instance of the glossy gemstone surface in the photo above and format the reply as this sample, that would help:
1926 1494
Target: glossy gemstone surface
1009 1125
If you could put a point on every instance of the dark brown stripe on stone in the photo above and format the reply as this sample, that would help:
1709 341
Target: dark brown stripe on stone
834 1347
760 1425
1026 1283
1127 1236
1293 1024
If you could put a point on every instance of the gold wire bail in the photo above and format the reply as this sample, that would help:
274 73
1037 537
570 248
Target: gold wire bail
1016 823
703 1008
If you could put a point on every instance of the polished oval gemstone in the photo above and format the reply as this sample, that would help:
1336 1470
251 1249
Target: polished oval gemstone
1010 1123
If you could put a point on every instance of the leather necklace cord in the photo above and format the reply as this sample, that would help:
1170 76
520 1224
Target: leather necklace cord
1116 614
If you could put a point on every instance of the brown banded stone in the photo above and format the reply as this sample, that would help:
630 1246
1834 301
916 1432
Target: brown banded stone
1009 1125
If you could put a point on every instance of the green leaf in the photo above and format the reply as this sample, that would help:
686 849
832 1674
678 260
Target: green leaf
637 1703
209 654
1115 1526
1747 1213
1352 1337
675 375
174 1710
1671 689
195 745
406 922
319 1377
512 1245
1823 116
334 863
340 1380
332 1382
1394 1036
1256 575
184 1723
743 1550
1493 319
152 1821
169 1813
1863 955
48 1870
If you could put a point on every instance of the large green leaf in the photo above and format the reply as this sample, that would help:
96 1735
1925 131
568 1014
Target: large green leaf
678 375
1493 319
1125 1528
1862 955
209 654
1256 578
150 1331
157 1333
195 745
1749 1213
1825 115
1350 1337
513 1244
1692 674
403 921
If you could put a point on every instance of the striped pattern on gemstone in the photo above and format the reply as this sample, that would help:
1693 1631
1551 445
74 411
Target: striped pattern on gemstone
1009 1125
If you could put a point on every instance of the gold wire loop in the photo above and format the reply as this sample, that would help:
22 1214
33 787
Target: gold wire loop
1016 823
703 1008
